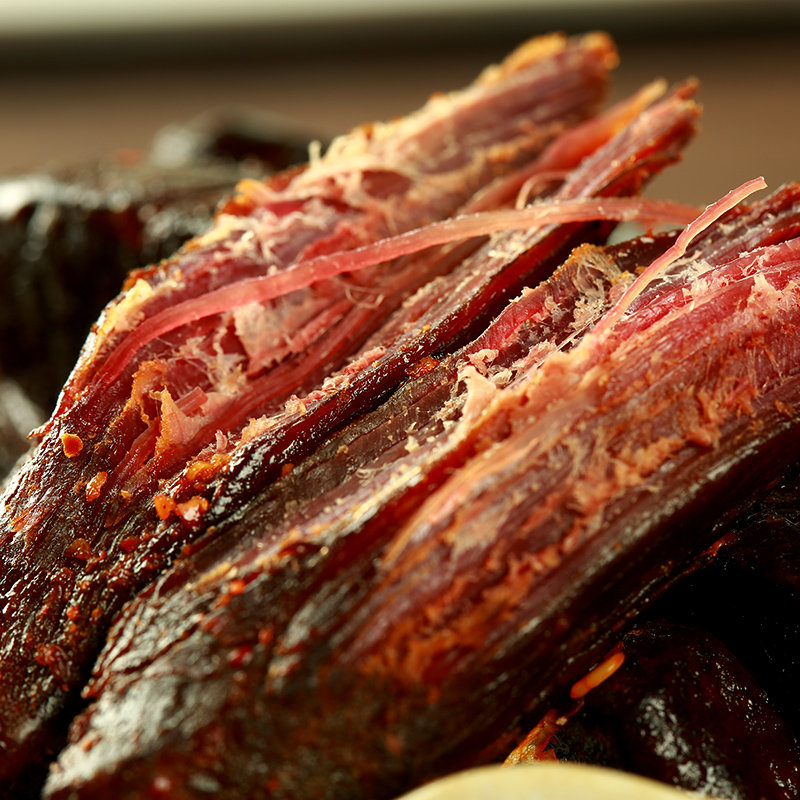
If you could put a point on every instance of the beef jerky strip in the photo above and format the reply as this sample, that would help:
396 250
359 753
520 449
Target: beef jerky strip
282 568
748 595
684 114
131 559
116 413
286 438
681 709
489 579
185 614
456 307
175 619
135 552
679 115
358 476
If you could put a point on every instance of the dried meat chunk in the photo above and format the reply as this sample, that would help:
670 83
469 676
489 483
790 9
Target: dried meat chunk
401 639
681 709
80 522
70 235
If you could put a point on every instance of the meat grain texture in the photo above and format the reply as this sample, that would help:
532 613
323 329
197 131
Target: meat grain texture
185 358
302 534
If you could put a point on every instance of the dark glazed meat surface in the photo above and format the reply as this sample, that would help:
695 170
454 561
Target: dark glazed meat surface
682 709
388 457
81 523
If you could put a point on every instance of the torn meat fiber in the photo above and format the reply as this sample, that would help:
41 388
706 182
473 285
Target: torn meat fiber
78 535
407 616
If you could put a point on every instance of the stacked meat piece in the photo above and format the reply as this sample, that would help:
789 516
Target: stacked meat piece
343 488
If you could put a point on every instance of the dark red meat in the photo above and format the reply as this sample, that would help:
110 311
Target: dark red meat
683 710
334 659
78 527
356 512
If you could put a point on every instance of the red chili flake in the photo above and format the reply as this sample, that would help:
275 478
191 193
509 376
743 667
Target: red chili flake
96 561
130 543
80 548
599 674
164 504
55 659
199 471
73 612
240 656
286 469
266 634
237 586
192 509
72 444
95 486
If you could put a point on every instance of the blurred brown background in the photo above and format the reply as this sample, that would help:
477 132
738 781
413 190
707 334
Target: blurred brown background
72 95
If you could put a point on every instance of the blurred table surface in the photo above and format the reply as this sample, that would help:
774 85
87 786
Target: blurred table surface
750 92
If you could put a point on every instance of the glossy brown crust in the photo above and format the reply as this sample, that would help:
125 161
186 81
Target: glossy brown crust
747 593
81 528
683 710
336 664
